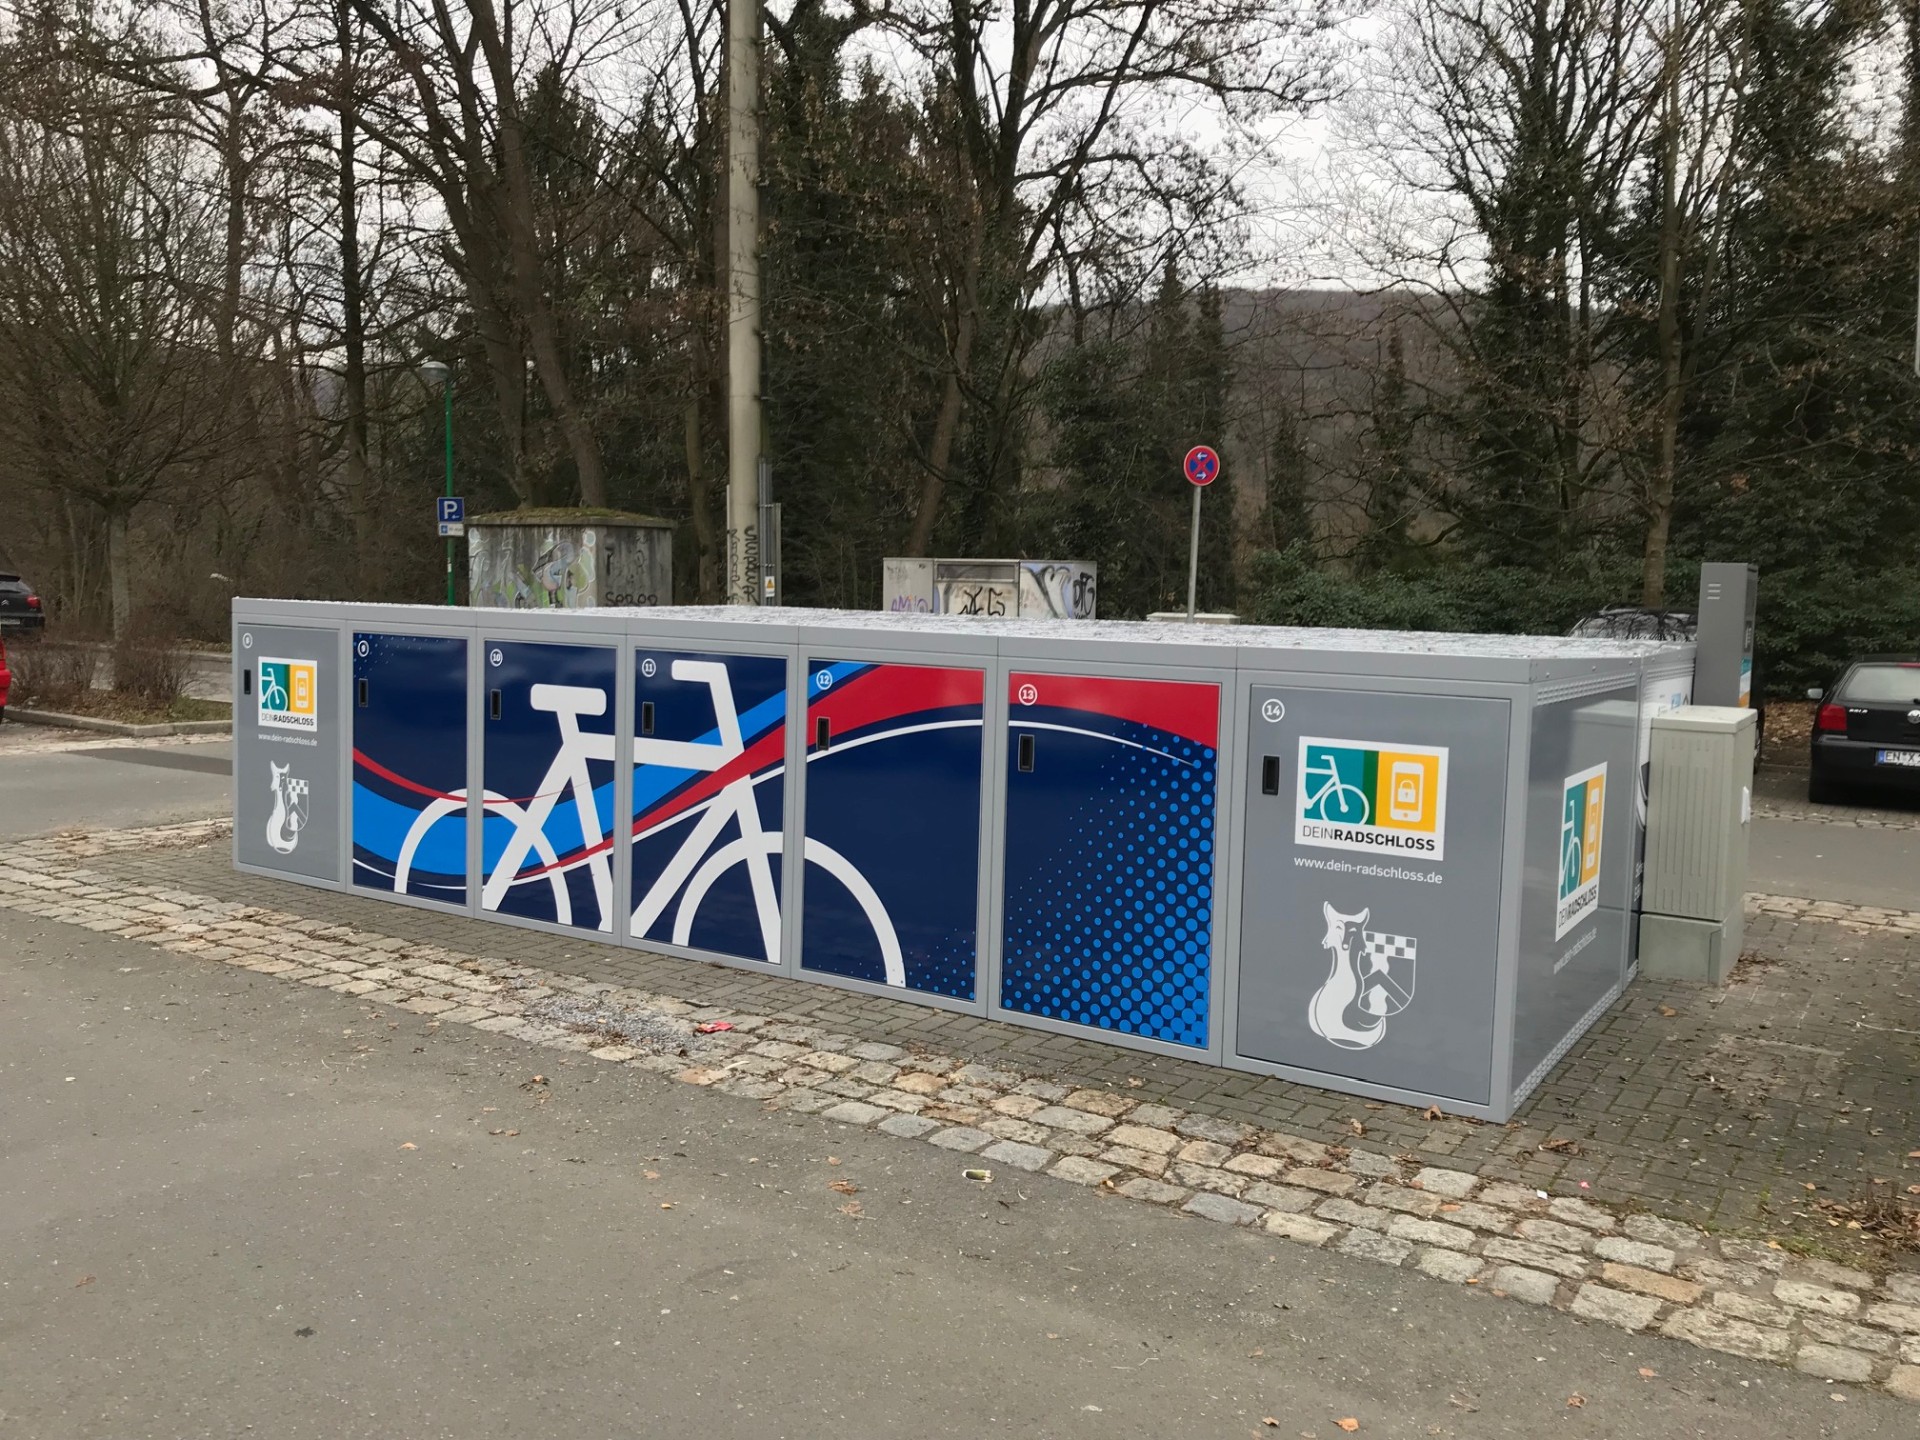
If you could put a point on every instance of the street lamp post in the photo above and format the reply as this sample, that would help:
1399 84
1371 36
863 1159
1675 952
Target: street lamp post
436 373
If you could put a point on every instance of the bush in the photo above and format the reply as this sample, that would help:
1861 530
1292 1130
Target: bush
149 669
52 674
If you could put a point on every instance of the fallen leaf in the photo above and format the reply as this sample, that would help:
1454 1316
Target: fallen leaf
1433 1112
1576 1402
1450 1205
512 1132
1561 1147
409 1146
1668 1011
496 1132
1349 1424
1356 1127
844 1187
1840 1398
1913 1189
1913 1154
666 1204
83 1281
854 1210
1134 1083
650 1174
713 1027
1255 1354
833 1159
1269 1420
1646 1374
1372 1105
1809 1186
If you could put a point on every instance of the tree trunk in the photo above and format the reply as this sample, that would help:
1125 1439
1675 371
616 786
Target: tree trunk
353 398
1653 568
946 425
119 582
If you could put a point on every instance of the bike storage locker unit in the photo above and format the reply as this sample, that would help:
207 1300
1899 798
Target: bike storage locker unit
1395 865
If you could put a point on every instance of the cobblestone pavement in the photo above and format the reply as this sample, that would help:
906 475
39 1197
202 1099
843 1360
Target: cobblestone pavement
1741 1109
1780 793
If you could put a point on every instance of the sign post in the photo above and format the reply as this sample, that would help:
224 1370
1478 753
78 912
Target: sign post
450 513
1202 467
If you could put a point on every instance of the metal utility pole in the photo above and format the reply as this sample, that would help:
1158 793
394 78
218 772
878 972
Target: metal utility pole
743 302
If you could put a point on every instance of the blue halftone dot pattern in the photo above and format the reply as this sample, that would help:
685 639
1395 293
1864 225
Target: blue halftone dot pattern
1109 915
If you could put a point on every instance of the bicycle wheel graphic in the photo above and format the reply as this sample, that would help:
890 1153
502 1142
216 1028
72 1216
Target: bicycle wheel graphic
1344 804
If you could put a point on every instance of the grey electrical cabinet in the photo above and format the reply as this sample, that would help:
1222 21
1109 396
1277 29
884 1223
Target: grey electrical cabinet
1699 815
1398 865
1729 597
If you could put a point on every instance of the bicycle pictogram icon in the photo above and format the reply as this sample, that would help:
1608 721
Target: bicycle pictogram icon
1334 800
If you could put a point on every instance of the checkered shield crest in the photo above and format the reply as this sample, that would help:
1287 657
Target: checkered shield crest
1386 983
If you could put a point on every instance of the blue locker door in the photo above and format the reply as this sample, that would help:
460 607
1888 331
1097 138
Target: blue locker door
548 727
1110 853
410 765
893 825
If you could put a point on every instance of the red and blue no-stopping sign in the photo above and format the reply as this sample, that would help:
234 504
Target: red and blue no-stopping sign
1202 466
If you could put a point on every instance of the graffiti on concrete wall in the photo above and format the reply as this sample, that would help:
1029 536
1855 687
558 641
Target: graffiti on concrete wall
1063 590
568 567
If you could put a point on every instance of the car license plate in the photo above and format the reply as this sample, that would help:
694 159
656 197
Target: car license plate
1901 757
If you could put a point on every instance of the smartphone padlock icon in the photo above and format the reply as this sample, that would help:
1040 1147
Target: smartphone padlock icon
1407 792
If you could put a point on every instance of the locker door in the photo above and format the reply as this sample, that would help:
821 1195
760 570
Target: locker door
547 752
892 843
1110 854
409 710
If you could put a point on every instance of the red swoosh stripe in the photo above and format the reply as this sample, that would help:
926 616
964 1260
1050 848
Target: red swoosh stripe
1189 709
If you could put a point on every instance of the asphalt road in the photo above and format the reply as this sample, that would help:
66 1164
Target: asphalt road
43 791
1862 864
232 1205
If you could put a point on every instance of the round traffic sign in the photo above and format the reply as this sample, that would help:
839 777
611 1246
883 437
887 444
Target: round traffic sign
1202 466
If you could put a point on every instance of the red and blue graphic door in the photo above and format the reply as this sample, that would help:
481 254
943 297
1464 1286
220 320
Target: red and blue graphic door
1110 853
547 839
410 765
892 885
709 761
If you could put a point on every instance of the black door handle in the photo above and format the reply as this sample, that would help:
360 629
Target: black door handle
1269 774
822 733
1026 753
646 717
360 692
246 680
493 704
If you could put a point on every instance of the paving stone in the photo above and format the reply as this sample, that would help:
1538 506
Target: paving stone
1263 1167
1280 1197
1635 1252
1745 1252
1531 1286
1480 1217
899 1100
1821 1299
1208 1127
875 1072
1650 1282
1910 1350
1905 1288
1344 1212
1139 1137
497 1023
1303 1229
1152 1191
1615 1307
1831 1362
1825 1272
1020 1107
1371 1245
858 1112
1905 1382
1098 1102
751 1088
1058 1117
907 1127
1327 1182
1204 1152
1452 1184
1552 1232
1019 1156
958 1137
1301 1151
1853 1337
1082 1171
1512 1197
872 1050
1140 1160
1715 1330
1745 1307
1371 1166
463 1015
1042 1090
1574 1211
1398 1197
1449 1265
1536 1257
1904 1318
972 1096
920 1083
1019 1131
1205 1177
1719 1273
1159 1117
1222 1208
986 1075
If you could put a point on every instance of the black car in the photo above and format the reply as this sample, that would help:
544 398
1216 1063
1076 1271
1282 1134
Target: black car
1867 731
19 606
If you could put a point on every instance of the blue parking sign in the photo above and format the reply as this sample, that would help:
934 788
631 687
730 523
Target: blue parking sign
450 512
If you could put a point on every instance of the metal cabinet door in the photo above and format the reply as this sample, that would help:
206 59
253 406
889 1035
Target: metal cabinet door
1370 910
1110 855
288 809
709 762
409 713
892 844
547 753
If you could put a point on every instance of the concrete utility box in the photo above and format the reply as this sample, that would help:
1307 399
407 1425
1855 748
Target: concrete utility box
568 560
990 589
1699 817
1396 865
1729 596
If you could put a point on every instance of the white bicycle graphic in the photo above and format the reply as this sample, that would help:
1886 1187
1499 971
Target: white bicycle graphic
695 866
273 694
1334 794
